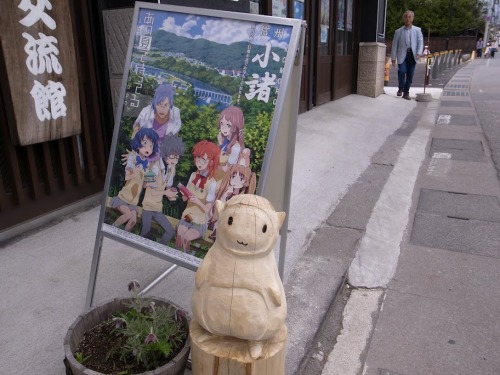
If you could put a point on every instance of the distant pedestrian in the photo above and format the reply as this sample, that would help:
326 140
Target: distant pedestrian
479 48
407 46
494 48
487 51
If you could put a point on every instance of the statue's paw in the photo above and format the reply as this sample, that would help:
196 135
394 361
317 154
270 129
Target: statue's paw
256 348
281 335
206 336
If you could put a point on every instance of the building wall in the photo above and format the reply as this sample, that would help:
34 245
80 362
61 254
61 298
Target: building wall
38 180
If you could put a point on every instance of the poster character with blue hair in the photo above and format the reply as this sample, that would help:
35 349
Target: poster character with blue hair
144 145
161 115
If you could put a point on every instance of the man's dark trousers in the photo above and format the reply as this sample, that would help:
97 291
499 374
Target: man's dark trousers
405 72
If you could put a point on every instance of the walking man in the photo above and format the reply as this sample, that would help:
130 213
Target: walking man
479 48
407 46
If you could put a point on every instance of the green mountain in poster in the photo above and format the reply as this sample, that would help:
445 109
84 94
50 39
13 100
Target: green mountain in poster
215 55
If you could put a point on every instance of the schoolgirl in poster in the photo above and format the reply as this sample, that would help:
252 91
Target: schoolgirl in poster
200 192
144 145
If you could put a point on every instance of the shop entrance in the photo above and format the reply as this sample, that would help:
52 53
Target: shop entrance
335 65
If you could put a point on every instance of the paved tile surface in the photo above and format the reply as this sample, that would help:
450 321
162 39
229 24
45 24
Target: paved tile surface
458 149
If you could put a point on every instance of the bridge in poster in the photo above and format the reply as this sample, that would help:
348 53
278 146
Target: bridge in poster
203 91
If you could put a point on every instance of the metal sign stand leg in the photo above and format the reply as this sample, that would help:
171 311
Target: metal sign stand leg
95 267
293 102
93 272
282 256
158 279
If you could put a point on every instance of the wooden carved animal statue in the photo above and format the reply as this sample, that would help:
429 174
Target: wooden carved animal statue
238 291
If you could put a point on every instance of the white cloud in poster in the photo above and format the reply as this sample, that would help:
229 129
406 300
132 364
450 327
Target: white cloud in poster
225 31
170 26
222 31
262 40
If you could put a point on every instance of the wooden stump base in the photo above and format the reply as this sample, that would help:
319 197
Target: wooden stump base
217 355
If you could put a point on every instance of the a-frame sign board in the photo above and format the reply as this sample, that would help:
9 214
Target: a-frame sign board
208 110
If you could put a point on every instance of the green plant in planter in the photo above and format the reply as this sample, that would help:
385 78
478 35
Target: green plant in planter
80 357
129 336
150 333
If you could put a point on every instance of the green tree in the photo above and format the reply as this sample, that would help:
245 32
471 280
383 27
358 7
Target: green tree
441 17
197 123
256 135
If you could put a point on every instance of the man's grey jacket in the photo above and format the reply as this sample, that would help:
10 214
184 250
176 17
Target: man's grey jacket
398 51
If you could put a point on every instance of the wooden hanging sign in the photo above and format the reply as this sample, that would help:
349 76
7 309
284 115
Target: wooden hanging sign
41 80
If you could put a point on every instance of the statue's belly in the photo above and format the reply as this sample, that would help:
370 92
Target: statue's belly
234 312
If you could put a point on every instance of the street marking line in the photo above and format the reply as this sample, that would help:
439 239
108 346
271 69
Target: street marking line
376 259
358 324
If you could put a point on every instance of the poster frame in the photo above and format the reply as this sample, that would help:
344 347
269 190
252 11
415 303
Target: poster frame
279 195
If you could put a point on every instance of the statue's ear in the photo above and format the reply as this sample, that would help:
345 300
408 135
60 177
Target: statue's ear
219 206
281 218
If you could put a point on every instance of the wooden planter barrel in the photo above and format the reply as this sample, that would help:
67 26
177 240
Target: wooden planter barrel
97 315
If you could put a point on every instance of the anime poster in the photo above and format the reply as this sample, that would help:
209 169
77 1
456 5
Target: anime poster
340 15
298 9
200 96
279 8
325 21
349 16
254 7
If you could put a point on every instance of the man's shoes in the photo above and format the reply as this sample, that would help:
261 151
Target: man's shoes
400 92
406 96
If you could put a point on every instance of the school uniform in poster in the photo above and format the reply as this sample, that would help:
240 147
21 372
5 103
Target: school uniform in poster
152 204
206 194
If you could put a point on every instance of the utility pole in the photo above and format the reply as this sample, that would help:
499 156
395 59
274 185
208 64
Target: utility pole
488 17
450 6
495 19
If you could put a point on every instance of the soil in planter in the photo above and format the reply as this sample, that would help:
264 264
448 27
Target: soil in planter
99 342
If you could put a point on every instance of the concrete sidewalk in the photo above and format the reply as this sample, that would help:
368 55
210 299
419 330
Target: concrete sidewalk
346 151
434 308
45 272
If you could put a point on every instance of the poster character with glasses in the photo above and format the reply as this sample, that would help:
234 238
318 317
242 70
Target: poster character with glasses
161 184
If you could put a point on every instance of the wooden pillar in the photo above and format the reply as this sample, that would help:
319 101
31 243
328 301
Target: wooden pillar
217 355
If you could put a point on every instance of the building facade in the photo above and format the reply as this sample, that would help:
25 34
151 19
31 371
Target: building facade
45 172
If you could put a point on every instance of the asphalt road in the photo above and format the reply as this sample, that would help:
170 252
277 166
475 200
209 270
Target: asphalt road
485 95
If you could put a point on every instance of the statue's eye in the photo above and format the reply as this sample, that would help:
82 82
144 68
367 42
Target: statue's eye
264 228
230 220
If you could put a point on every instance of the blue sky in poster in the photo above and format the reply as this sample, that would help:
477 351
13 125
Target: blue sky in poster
298 10
219 30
